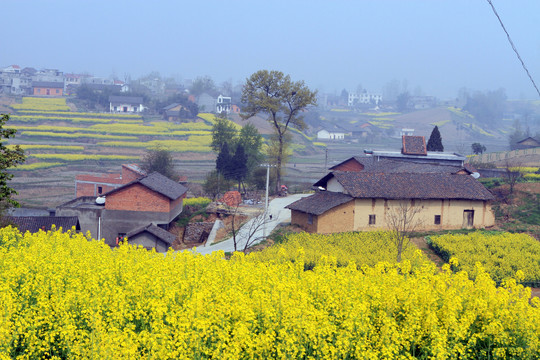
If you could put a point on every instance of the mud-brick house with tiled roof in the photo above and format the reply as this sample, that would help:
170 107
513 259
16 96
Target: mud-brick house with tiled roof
363 200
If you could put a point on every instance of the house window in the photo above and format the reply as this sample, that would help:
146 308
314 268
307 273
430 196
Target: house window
372 219
437 219
100 190
310 219
57 91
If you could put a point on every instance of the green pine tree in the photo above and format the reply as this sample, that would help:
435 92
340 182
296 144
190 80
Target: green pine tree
435 141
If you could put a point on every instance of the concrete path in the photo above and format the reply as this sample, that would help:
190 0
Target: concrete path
276 208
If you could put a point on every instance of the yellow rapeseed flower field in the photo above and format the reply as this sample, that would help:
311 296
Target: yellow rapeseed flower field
42 104
501 254
65 296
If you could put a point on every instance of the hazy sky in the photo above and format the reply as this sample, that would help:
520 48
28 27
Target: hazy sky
439 46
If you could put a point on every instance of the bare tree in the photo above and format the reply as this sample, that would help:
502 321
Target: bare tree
513 169
246 235
403 220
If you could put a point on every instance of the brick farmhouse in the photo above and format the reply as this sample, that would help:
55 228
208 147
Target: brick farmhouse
97 185
138 207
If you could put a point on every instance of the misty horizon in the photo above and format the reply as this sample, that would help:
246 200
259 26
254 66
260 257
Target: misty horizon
436 48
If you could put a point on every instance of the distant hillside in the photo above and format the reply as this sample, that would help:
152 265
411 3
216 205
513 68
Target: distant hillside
452 123
264 127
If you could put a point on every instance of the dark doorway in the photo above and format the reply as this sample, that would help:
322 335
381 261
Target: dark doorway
468 218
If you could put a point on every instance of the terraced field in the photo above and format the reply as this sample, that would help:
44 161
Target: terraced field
61 143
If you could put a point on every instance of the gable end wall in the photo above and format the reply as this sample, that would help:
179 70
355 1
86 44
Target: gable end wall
138 198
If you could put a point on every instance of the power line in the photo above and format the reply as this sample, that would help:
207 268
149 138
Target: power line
514 47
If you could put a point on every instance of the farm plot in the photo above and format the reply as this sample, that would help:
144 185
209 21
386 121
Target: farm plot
502 255
360 248
44 123
67 297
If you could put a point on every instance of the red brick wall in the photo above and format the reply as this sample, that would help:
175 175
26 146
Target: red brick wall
129 175
351 165
137 198
85 189
177 202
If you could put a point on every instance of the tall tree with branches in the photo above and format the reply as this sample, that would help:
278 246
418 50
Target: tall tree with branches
161 160
282 100
9 157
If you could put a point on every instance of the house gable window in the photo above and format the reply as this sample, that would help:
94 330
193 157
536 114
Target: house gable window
437 219
372 219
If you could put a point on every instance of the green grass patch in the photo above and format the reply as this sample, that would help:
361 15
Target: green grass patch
36 166
56 135
83 157
440 123
192 144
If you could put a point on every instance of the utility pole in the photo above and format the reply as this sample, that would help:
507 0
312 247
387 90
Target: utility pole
268 166
326 158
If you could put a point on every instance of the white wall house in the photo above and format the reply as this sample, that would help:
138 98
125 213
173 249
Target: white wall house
363 98
330 135
223 104
406 132
14 69
126 104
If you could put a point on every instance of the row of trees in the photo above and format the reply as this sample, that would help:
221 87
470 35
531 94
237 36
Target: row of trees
239 152
268 93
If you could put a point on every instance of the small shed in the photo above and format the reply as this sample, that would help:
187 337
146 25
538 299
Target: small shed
151 236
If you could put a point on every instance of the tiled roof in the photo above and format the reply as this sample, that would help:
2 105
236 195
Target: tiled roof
132 100
397 166
135 168
36 223
319 202
409 185
48 84
171 106
158 232
373 164
414 145
529 139
158 183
